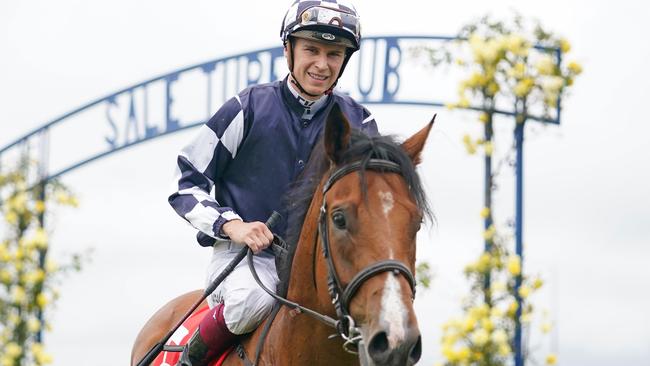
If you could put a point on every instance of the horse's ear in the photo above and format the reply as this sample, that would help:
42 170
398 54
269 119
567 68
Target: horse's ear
337 134
414 144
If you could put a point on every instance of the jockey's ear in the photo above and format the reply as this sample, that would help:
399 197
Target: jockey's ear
337 134
414 144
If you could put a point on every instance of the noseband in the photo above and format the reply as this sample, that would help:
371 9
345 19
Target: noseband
342 296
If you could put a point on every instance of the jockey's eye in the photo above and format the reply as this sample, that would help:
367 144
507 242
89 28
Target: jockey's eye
338 218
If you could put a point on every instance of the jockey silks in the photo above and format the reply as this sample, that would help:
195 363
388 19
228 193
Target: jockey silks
243 160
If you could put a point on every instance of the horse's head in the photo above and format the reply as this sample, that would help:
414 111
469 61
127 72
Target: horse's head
372 208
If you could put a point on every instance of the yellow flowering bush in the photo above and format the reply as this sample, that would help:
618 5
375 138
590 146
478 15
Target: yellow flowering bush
509 68
483 335
27 278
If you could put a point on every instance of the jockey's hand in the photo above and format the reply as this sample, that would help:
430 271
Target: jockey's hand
256 235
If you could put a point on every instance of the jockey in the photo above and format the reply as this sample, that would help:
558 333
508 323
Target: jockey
249 153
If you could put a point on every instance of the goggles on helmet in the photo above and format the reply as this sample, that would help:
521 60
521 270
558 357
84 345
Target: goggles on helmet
325 25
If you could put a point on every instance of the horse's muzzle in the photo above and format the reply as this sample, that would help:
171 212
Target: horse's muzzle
379 352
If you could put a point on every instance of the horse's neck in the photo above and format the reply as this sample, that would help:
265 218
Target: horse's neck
303 272
308 280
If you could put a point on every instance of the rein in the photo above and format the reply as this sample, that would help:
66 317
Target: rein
340 295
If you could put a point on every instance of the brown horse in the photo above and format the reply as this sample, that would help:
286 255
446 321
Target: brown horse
354 220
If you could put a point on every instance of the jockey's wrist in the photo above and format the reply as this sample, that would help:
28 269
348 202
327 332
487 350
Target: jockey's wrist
224 231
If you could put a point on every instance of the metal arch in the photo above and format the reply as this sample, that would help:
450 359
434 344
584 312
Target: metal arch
388 45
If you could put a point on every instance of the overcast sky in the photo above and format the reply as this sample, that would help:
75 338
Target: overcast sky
587 199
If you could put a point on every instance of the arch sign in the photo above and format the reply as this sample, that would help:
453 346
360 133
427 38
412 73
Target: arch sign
381 73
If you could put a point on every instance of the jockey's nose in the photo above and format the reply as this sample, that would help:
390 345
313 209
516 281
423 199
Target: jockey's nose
406 352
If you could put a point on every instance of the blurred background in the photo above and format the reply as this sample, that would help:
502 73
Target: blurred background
587 201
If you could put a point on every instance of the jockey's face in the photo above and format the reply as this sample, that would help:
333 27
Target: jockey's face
316 65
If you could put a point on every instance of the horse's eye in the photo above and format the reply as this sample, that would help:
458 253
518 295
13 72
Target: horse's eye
338 218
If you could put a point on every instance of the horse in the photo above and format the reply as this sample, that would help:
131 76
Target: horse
354 218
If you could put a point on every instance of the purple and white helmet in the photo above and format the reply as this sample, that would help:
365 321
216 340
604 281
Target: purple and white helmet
331 21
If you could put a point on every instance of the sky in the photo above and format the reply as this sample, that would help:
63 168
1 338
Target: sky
587 202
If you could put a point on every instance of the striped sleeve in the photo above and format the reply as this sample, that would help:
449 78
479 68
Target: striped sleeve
199 166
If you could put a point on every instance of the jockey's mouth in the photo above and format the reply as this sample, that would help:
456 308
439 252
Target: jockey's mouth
317 76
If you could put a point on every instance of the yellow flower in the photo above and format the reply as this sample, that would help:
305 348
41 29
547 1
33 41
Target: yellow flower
500 337
480 337
66 199
40 355
483 117
483 264
39 206
492 89
496 312
545 65
469 324
546 327
40 238
516 44
485 212
11 217
18 202
565 46
19 295
14 319
476 80
42 300
489 233
524 291
33 325
489 149
470 146
512 308
4 252
514 265
13 350
487 324
524 87
504 350
448 353
5 276
463 353
575 68
538 283
551 359
51 266
480 311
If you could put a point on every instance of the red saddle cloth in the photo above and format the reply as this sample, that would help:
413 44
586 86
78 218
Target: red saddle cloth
182 336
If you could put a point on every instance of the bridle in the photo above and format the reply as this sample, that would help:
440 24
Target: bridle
340 295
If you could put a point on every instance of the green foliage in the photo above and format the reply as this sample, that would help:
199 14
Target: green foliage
28 279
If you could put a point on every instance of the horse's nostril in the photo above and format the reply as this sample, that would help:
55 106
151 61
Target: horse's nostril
378 347
416 351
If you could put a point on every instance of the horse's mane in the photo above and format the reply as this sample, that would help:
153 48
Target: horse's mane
362 148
